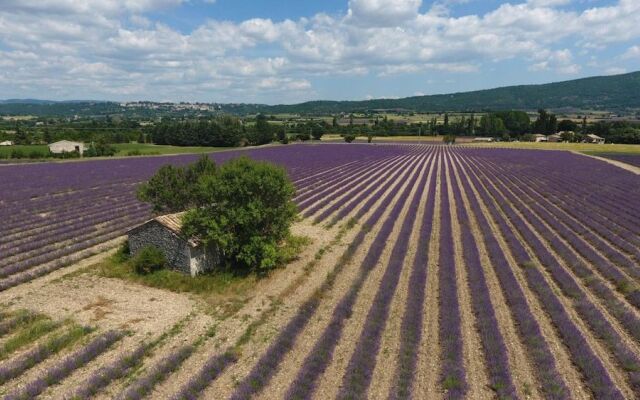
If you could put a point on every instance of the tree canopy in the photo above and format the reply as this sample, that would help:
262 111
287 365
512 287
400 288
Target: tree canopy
245 210
242 209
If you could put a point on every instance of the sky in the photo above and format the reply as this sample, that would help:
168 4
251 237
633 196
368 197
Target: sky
289 51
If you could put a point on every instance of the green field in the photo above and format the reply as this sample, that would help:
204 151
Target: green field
125 149
30 151
587 148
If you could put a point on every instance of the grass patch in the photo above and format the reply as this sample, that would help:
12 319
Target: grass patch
140 149
27 335
632 149
29 151
226 290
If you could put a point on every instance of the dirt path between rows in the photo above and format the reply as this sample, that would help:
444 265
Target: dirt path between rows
292 362
563 361
519 366
473 355
426 379
387 359
599 349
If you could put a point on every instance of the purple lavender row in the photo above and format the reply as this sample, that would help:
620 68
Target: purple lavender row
495 351
209 372
597 379
37 272
64 215
145 384
614 233
47 254
606 268
551 383
25 239
631 159
101 378
320 187
357 378
266 366
336 184
393 179
626 317
29 208
597 322
66 367
347 185
452 373
583 227
63 212
14 368
86 229
597 189
363 192
616 184
412 320
316 362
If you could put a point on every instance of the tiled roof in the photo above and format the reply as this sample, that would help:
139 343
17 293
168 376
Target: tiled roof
171 221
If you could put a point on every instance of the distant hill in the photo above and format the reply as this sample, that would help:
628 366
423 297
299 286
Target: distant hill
607 93
611 93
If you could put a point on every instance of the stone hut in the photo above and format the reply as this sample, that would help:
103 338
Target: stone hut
182 254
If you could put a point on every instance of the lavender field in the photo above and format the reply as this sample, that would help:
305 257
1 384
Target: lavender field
446 272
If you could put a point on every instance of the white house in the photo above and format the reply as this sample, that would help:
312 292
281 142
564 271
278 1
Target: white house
483 140
591 138
66 146
540 138
6 143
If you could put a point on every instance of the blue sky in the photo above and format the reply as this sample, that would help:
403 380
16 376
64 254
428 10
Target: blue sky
285 51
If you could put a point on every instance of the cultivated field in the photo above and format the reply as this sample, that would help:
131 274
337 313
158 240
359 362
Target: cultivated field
435 272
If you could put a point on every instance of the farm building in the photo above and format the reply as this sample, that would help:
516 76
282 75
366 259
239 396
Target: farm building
555 138
540 138
483 140
66 146
591 138
6 143
182 254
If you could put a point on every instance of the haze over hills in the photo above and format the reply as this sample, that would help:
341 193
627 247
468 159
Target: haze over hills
607 93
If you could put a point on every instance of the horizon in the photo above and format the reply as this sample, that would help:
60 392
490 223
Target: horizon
33 100
285 52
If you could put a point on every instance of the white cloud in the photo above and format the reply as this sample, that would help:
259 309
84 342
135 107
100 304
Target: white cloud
615 70
64 46
633 52
382 12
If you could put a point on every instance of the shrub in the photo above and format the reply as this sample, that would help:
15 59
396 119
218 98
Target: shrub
349 138
149 260
245 210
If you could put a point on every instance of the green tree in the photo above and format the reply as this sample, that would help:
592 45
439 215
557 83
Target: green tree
567 125
445 127
546 123
174 189
516 122
492 125
350 137
263 133
21 135
245 210
47 135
